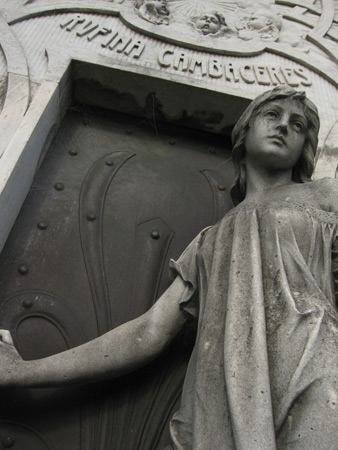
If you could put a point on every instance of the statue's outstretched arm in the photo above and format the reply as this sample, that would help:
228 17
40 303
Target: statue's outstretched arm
119 351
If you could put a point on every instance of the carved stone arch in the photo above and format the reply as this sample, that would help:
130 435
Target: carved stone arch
326 19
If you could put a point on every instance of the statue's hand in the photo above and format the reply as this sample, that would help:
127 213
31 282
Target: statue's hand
9 359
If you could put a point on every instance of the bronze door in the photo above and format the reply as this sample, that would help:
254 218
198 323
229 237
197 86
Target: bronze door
115 198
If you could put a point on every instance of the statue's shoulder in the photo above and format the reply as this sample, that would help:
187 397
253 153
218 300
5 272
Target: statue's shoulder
327 184
327 191
206 238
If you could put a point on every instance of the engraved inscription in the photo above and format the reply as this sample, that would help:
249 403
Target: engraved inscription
105 36
231 72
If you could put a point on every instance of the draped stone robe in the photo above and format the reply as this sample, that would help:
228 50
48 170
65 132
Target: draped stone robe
264 370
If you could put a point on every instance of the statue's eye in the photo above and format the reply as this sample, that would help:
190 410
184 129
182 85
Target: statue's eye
298 126
271 114
213 20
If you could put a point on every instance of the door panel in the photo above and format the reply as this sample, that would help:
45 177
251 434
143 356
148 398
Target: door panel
114 200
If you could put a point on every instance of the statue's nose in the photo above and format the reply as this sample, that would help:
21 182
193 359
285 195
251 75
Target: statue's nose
282 127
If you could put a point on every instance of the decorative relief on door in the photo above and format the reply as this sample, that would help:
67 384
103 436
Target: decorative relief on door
16 435
152 242
218 186
91 209
31 314
112 202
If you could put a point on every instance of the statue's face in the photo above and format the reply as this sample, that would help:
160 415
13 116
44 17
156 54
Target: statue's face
159 5
257 22
208 24
276 136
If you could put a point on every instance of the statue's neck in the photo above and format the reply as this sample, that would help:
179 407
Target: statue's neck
260 180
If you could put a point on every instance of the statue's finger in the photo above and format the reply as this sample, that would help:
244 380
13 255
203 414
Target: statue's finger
6 337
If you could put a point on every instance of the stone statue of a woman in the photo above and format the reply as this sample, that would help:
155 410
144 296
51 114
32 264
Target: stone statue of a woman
264 371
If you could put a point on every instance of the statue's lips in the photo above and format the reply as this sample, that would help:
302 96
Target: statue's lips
279 138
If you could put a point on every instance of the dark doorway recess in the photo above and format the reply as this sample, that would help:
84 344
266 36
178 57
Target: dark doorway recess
116 197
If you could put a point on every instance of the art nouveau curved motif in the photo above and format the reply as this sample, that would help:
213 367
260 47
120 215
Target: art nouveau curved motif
218 186
16 434
45 7
91 209
326 19
316 36
39 306
28 314
18 91
311 7
147 276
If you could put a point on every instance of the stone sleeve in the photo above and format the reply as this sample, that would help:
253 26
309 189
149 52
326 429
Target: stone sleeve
187 268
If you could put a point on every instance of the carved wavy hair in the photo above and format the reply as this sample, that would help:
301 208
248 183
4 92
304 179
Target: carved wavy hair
303 169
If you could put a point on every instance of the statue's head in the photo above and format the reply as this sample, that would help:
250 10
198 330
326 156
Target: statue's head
158 6
261 19
303 169
210 23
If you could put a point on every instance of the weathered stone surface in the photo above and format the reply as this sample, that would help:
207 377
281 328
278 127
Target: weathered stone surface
187 62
